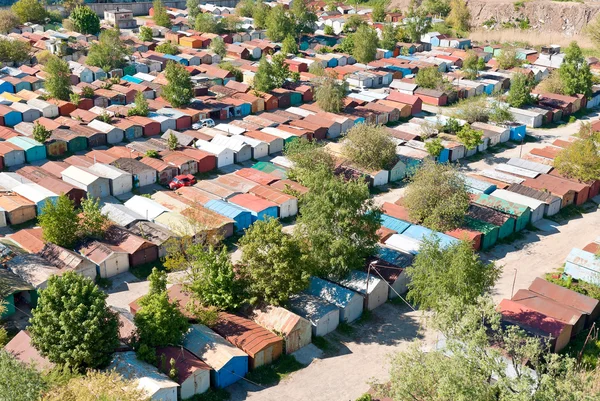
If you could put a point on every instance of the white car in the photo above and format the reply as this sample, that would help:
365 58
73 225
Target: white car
206 122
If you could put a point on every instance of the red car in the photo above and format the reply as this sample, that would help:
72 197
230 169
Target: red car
184 180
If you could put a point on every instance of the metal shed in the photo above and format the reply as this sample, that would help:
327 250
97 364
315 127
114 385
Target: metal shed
349 302
192 374
229 364
260 209
537 207
121 215
323 316
419 233
390 265
373 289
521 213
517 171
478 186
147 208
288 204
403 243
241 216
505 223
262 346
583 265
34 150
552 203
94 185
295 330
529 165
120 181
242 151
489 231
394 224
36 194
224 155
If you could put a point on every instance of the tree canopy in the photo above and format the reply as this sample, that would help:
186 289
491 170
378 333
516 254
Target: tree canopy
218 46
378 13
20 381
338 223
289 45
365 44
140 107
439 273
30 11
168 48
303 17
72 325
434 147
278 24
581 160
8 21
160 15
96 386
472 64
437 196
389 37
329 91
459 17
85 20
14 51
40 133
60 222
205 22
307 157
370 147
146 34
58 81
109 52
271 75
508 58
93 222
520 90
575 73
179 89
469 137
431 78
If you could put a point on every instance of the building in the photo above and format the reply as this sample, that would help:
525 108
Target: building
95 185
13 289
65 259
373 289
323 316
193 374
120 182
120 18
109 260
21 348
295 330
349 303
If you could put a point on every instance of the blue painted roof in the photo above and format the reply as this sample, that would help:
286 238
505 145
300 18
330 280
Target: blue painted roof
226 209
394 257
394 224
479 186
175 58
419 233
329 291
310 307
583 265
24 142
134 80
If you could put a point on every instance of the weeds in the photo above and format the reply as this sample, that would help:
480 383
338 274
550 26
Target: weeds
212 395
345 328
267 375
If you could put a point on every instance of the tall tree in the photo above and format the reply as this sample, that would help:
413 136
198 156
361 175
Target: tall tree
272 262
439 273
278 24
307 157
436 7
289 45
140 107
417 24
179 89
93 222
20 381
8 21
172 141
30 11
14 51
303 17
96 386
437 196
378 13
472 65
271 75
365 44
508 58
40 133
469 137
581 160
389 37
146 34
109 52
370 147
338 224
260 14
72 324
85 20
218 46
160 17
520 90
58 81
59 222
193 9
431 78
205 22
434 147
244 8
159 322
210 277
459 17
329 91
575 72
167 47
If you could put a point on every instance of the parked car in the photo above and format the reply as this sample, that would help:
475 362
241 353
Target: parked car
206 122
185 180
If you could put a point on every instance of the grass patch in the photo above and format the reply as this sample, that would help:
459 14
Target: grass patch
345 328
324 344
103 282
516 236
366 317
567 213
211 395
590 354
232 241
272 374
143 271
590 290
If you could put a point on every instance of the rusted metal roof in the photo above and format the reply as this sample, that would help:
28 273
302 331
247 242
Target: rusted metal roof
548 152
283 185
20 347
245 334
252 202
548 307
271 194
186 363
555 185
529 318
30 239
257 176
565 296
196 195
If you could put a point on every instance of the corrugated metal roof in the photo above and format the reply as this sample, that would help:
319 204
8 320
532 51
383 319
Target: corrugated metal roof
147 208
496 175
543 196
501 205
404 243
245 334
530 319
420 233
547 306
252 202
357 281
330 292
211 347
225 208
147 376
393 223
529 165
507 168
278 319
565 296
583 265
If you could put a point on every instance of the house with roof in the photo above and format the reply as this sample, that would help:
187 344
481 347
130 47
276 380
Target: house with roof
155 233
109 260
34 150
295 330
120 181
139 250
348 302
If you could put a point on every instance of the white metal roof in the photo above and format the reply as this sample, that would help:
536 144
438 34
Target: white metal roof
403 243
210 347
34 192
147 208
80 174
230 129
107 171
148 378
10 180
507 168
497 175
518 198
101 126
529 165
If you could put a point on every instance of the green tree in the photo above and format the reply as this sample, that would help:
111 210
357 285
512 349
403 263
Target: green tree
20 381
96 386
520 90
500 113
168 48
72 324
14 51
140 107
317 69
452 126
459 17
59 222
353 22
87 92
575 73
303 17
437 196
469 137
159 322
338 224
431 78
218 46
508 58
259 15
146 34
109 52
434 147
436 7
75 98
237 73
271 75
347 44
193 8
472 64
388 37
378 13
289 45
365 44
581 160
172 141
8 21
328 30
179 89
230 23
278 24
370 147
439 273
160 17
329 91
40 133
58 81
307 157
86 21
29 11
417 24
93 222
272 263
244 8
205 22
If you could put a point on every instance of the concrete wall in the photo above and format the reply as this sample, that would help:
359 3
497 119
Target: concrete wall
144 8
